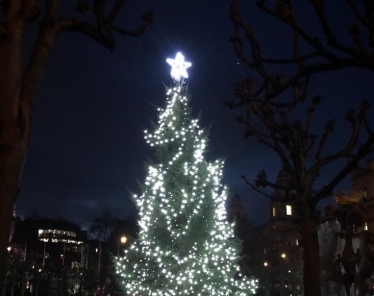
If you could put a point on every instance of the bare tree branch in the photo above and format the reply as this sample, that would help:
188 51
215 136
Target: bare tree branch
331 39
290 60
351 144
87 29
364 19
19 84
254 188
11 9
102 25
314 42
364 150
350 57
329 128
147 21
114 11
44 42
287 133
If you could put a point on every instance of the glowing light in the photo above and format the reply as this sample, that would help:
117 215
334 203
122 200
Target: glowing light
184 240
123 239
178 67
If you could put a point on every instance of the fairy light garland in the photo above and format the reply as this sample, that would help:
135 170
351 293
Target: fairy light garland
185 245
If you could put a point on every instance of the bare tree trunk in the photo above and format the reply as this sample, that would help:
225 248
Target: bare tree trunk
13 286
13 131
23 286
309 236
4 286
18 87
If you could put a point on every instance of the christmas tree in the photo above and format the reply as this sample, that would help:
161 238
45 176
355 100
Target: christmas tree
185 244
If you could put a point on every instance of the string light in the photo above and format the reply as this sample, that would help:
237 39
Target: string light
185 244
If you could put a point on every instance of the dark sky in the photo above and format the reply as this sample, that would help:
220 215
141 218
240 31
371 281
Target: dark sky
87 148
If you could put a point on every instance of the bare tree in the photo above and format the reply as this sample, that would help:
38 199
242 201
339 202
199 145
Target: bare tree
103 226
272 103
18 83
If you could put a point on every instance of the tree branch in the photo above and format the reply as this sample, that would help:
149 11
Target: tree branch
278 86
30 11
363 151
290 60
329 128
11 9
114 11
364 20
316 68
331 39
87 29
44 42
351 144
315 102
254 188
147 21
314 42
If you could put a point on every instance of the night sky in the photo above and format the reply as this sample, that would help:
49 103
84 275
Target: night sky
87 149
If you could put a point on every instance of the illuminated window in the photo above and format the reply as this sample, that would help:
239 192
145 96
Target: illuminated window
274 212
366 226
289 210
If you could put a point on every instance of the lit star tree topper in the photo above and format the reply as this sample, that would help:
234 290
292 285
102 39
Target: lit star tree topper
185 245
178 67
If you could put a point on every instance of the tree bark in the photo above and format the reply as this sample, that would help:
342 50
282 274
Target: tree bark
13 130
309 236
17 90
18 87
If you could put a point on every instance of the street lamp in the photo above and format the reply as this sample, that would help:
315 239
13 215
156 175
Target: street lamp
122 240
